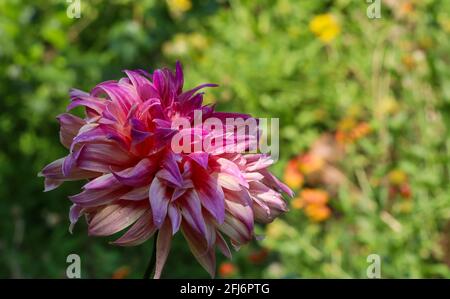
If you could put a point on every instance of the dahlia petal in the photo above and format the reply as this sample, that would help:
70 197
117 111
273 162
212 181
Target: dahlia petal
188 94
80 98
101 157
262 163
236 229
51 184
238 206
153 107
226 166
70 161
191 210
54 171
179 78
188 106
275 183
140 193
142 85
211 196
262 212
140 232
205 257
122 94
139 131
70 125
172 171
93 198
105 181
114 218
162 248
74 214
253 176
101 133
201 158
228 181
222 245
138 175
223 116
175 218
159 201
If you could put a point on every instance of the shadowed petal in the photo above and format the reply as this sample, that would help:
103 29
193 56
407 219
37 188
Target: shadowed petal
162 248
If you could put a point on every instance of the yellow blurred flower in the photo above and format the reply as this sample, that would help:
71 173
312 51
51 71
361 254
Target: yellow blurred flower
179 7
198 40
397 177
277 229
178 46
325 27
317 212
181 44
388 106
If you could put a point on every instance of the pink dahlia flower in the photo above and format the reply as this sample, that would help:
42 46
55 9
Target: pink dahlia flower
136 181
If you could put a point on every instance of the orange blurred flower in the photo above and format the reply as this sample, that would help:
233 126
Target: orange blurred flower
259 256
292 176
297 203
317 212
350 131
314 196
121 272
309 163
315 203
227 269
405 191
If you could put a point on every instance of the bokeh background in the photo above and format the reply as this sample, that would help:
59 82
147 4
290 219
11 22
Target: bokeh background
364 109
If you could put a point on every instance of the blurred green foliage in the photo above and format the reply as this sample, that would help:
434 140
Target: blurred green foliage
391 73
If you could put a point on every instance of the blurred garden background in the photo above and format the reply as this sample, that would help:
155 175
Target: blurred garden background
364 109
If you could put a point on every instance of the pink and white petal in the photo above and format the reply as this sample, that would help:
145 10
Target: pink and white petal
140 232
69 127
94 198
114 218
140 193
236 229
54 171
210 194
